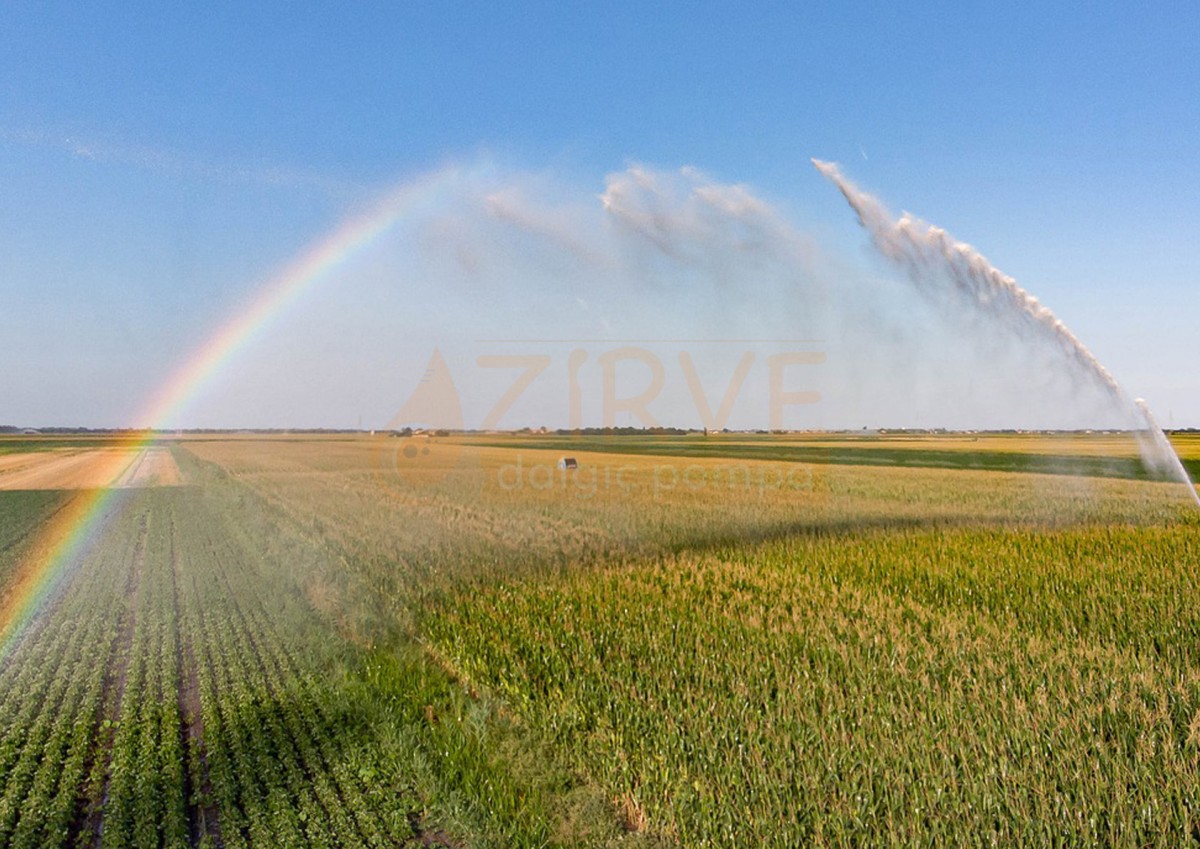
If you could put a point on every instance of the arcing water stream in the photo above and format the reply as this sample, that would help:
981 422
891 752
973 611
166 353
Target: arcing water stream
943 268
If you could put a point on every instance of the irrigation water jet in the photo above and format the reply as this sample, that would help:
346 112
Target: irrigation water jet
942 267
1161 448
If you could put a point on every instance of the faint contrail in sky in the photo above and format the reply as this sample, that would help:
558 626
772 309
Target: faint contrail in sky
943 267
95 147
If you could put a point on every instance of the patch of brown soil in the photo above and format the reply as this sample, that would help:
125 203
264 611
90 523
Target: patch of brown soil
96 468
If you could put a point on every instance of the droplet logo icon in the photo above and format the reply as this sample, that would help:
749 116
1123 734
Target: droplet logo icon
413 450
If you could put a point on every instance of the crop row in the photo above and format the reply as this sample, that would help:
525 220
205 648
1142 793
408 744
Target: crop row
144 803
288 763
178 691
53 687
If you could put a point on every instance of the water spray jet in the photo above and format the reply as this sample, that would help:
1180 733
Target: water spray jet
1161 448
932 258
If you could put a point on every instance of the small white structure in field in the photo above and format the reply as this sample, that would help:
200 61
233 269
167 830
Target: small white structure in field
565 463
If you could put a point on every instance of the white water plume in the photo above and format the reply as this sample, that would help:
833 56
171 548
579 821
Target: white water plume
502 265
943 268
569 283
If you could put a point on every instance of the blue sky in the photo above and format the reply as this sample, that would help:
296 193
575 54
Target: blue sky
157 163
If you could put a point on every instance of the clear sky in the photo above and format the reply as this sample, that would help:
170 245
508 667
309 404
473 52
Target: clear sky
159 164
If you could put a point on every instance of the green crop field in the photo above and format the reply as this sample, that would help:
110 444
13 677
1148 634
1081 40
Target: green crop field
740 640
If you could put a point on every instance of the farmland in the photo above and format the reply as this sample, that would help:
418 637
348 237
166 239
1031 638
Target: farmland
739 640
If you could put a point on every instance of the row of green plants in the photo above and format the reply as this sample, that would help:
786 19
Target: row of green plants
180 690
145 798
279 752
53 687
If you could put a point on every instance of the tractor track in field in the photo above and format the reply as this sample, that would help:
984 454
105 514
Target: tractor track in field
89 811
202 815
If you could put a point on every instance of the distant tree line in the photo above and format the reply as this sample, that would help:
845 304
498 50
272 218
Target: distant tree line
624 431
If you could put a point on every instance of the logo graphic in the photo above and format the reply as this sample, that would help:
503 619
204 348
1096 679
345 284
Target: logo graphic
625 388
412 450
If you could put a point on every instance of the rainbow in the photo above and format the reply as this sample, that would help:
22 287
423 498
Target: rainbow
66 539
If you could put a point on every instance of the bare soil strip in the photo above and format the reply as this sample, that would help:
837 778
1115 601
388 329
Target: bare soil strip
154 467
23 459
54 470
96 468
